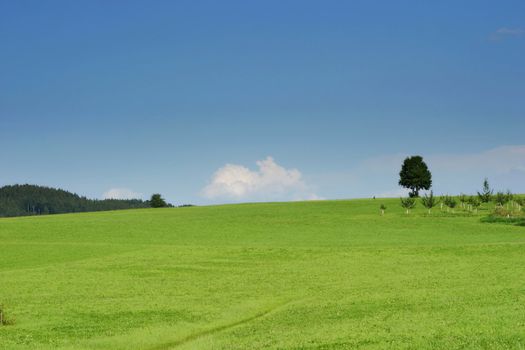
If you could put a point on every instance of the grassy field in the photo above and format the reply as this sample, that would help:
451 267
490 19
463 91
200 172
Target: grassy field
304 275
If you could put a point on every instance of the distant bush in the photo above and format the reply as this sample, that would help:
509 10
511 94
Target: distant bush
157 201
382 207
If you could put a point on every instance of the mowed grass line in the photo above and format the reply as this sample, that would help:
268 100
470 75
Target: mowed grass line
306 275
219 328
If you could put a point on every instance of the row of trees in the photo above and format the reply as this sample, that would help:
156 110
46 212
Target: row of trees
501 199
429 201
22 200
504 202
415 176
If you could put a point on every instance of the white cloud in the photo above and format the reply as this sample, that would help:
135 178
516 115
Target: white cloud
452 173
510 31
505 32
270 182
121 193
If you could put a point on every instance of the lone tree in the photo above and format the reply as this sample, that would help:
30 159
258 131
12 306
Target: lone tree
429 201
486 194
415 175
157 201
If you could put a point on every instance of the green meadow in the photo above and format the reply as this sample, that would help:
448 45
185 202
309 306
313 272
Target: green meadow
301 275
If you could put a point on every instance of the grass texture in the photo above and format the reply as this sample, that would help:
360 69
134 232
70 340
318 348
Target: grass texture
301 275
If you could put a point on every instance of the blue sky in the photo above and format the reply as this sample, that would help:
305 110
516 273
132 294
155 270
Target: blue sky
185 97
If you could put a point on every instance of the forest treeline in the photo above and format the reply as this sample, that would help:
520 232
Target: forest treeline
22 200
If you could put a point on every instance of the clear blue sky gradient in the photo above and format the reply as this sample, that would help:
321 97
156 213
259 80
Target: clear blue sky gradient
157 95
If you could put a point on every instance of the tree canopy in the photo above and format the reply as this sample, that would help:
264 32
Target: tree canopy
21 200
157 201
415 175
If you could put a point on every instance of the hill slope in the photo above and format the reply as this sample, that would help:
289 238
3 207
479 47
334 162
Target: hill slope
304 275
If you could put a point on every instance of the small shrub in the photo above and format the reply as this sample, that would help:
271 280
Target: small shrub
463 198
506 215
157 201
450 202
501 212
500 199
520 202
509 199
429 201
474 203
486 194
408 203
